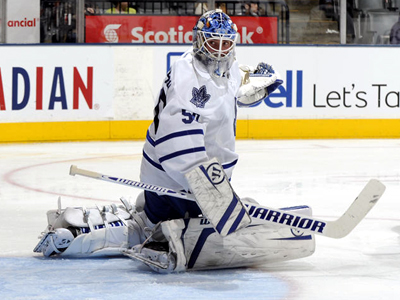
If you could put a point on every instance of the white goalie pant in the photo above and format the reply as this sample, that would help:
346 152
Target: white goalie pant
80 231
195 245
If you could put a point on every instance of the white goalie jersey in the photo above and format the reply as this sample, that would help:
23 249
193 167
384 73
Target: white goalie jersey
198 117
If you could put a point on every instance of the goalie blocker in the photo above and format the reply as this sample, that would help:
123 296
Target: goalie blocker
216 198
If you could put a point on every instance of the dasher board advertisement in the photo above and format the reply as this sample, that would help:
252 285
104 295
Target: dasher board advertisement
22 21
323 82
172 29
56 84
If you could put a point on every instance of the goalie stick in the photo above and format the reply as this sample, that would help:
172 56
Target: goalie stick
74 170
220 206
339 228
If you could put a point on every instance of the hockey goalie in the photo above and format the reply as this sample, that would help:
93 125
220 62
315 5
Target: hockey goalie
190 148
176 245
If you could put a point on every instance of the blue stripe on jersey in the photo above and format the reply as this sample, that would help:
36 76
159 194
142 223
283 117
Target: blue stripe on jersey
182 152
149 139
152 162
179 134
227 166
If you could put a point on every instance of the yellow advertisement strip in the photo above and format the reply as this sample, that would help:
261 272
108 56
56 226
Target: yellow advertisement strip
246 129
73 131
318 129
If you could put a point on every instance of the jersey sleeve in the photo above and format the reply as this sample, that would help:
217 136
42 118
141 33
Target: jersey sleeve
179 126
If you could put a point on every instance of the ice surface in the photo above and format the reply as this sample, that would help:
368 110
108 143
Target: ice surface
325 174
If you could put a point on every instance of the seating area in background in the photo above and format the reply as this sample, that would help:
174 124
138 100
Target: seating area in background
369 22
56 28
373 20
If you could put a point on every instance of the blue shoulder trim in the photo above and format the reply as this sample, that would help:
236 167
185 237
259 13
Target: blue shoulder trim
149 139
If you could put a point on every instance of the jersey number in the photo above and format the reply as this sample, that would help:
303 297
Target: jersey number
189 117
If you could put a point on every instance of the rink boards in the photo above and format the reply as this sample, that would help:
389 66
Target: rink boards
107 92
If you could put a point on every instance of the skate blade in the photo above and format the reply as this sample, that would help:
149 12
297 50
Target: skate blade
141 258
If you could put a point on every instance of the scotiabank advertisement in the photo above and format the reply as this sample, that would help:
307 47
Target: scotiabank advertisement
172 29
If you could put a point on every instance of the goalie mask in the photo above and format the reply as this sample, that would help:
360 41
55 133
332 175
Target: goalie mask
214 40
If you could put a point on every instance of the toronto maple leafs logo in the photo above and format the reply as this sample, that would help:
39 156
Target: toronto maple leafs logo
200 96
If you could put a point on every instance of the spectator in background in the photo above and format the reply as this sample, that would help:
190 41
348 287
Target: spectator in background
395 33
252 9
328 7
89 10
202 8
222 6
120 8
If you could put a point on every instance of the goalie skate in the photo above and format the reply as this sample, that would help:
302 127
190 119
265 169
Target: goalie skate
155 255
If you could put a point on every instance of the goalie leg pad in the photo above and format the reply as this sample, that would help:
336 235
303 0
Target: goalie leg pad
251 246
82 217
193 244
92 231
101 242
54 242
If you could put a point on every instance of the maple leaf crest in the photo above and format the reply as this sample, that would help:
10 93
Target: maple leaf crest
200 96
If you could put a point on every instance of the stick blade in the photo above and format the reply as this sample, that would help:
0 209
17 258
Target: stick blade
365 201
